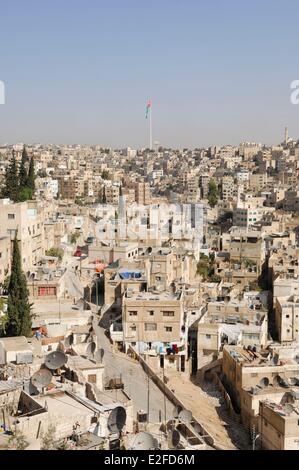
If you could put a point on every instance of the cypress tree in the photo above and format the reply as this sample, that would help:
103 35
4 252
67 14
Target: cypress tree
31 176
212 193
18 306
11 185
23 176
104 200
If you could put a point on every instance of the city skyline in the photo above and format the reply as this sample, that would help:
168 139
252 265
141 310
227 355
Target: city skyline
85 74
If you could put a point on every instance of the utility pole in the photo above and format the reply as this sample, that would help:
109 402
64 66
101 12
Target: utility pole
148 397
164 396
97 296
254 437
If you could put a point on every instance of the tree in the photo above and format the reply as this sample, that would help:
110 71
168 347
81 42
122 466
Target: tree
18 441
18 306
31 176
105 175
74 237
55 252
25 194
23 176
212 193
11 184
104 200
48 441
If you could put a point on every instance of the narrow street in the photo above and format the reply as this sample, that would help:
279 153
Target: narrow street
135 380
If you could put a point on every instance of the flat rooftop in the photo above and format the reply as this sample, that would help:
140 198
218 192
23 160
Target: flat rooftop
157 296
82 363
285 411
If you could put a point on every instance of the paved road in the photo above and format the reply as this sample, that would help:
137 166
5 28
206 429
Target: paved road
135 380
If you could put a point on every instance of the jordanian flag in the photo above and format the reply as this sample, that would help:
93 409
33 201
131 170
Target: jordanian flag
148 106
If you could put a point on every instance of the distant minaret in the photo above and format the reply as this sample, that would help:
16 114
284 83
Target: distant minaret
286 135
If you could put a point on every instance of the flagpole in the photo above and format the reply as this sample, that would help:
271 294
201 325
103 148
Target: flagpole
150 125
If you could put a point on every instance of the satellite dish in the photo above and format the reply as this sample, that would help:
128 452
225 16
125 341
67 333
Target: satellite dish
117 419
173 439
275 360
55 360
264 382
69 341
176 411
185 416
41 378
91 349
144 441
99 354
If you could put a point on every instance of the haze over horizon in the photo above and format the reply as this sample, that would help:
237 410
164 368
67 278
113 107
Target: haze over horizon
82 72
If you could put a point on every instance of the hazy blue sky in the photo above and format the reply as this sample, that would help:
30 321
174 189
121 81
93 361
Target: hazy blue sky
217 71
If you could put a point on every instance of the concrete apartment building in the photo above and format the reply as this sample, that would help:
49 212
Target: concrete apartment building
252 375
228 188
287 318
70 188
112 195
153 323
142 193
204 184
279 425
285 285
243 244
239 322
26 218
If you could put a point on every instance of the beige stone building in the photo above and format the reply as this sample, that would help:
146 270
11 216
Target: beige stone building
287 318
142 193
27 219
279 425
153 324
231 322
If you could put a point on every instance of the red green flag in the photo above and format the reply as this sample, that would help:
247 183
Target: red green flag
148 106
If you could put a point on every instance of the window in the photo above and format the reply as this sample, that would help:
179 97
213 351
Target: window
287 316
150 326
133 328
151 312
167 313
92 378
11 216
168 329
208 336
132 313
